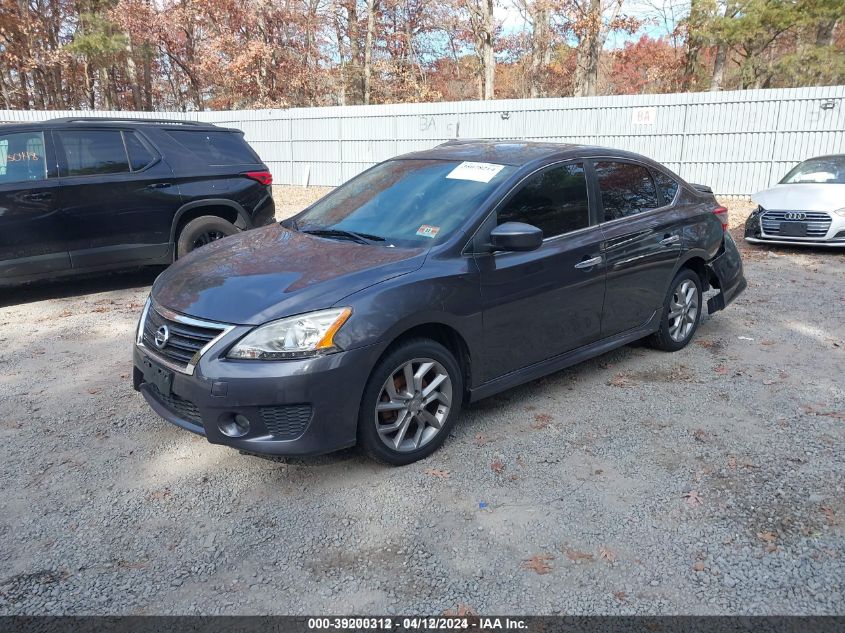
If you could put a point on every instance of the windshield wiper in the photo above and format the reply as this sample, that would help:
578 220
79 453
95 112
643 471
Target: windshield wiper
360 238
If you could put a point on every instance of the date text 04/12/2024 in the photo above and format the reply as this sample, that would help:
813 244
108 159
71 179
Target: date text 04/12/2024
440 623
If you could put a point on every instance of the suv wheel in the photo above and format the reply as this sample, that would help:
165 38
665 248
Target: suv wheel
410 403
681 313
201 231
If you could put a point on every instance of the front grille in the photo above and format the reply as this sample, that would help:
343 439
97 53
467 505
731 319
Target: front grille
286 422
185 409
817 222
185 340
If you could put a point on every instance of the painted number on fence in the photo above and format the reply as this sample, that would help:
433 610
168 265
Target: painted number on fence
643 116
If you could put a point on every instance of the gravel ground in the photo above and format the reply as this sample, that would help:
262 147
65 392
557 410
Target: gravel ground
709 481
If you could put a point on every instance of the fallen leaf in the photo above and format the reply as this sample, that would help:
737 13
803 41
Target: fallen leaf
698 565
158 495
497 466
541 421
480 440
767 341
538 563
768 536
606 554
693 499
461 610
700 435
830 515
706 343
437 472
621 596
720 369
732 463
575 555
619 380
92 391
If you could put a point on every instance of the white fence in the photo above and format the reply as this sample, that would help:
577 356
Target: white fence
737 142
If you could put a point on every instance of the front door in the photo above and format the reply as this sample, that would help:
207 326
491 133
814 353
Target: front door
31 237
119 197
545 302
642 243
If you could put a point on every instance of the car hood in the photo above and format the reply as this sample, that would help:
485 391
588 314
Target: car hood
272 272
803 197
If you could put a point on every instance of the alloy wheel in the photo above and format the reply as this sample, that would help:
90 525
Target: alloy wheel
683 310
207 238
413 404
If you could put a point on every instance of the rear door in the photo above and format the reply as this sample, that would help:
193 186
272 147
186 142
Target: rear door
545 302
118 199
642 242
31 237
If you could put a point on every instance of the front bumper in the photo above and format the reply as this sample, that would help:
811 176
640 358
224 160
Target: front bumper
296 407
834 236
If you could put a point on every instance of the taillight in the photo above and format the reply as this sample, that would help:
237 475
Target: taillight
264 177
722 214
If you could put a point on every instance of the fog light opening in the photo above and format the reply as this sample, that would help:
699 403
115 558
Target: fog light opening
236 426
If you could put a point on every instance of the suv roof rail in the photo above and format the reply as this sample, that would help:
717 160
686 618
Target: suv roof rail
108 119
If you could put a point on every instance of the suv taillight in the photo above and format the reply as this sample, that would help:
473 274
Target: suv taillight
722 214
264 177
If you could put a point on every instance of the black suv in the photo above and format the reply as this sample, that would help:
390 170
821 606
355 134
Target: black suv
81 195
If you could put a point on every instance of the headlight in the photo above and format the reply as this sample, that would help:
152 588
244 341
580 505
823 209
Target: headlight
840 211
298 336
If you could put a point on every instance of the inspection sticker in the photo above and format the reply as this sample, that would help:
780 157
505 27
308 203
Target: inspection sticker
428 231
479 172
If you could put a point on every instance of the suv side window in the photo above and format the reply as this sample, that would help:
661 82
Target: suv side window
626 189
555 200
22 157
139 155
668 186
89 152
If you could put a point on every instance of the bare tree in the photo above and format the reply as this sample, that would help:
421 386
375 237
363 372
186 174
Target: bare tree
483 27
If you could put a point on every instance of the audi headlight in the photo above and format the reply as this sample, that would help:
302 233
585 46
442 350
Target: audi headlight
840 211
300 336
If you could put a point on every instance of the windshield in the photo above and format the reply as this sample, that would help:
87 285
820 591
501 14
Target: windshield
828 170
409 202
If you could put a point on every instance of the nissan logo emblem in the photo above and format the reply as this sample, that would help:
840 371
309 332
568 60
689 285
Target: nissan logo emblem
162 336
795 215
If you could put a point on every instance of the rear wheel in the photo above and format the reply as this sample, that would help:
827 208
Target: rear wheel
201 231
410 403
681 313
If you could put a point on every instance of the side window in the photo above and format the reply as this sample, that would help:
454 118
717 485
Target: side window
139 155
22 157
626 189
90 152
555 200
667 185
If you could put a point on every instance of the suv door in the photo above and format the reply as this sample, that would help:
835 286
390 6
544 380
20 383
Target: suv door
642 243
545 302
31 237
119 197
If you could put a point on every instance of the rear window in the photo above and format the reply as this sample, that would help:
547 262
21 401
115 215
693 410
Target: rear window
216 148
22 157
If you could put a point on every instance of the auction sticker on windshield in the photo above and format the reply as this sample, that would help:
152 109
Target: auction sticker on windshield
479 172
428 231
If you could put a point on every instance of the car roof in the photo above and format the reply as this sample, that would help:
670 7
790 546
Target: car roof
107 122
515 152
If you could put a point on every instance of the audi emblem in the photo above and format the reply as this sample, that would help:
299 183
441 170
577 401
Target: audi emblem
795 215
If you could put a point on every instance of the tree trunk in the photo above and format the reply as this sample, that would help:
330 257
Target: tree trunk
825 31
132 74
719 68
589 50
356 80
488 60
540 50
148 80
372 8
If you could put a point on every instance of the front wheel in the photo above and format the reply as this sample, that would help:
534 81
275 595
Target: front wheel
681 313
410 403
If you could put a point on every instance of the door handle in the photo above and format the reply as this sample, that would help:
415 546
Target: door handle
669 240
37 196
158 185
589 263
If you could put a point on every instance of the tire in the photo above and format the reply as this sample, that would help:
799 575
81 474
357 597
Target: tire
202 230
380 433
677 331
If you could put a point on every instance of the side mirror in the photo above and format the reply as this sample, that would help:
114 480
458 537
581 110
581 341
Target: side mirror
516 236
